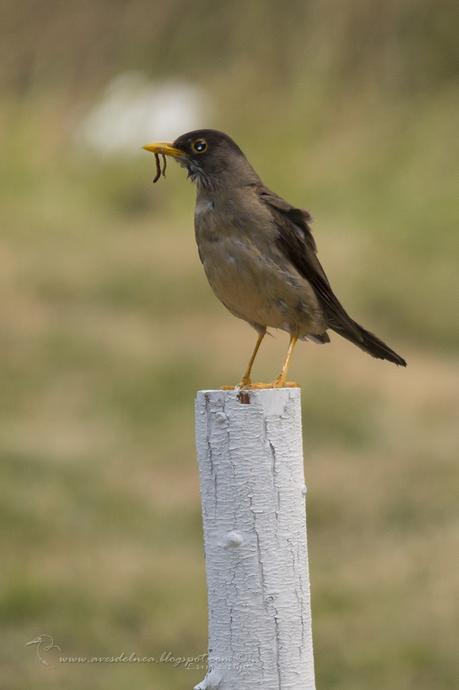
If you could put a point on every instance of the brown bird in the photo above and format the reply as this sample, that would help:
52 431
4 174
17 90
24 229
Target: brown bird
258 251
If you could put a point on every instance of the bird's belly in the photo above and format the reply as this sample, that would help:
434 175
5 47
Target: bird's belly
256 287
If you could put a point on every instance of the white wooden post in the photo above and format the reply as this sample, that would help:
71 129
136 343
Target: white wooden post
253 505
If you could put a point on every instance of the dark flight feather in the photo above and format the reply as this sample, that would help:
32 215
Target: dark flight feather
296 241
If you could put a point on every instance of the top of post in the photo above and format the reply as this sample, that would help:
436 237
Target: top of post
272 400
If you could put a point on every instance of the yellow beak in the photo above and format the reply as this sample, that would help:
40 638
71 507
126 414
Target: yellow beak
165 149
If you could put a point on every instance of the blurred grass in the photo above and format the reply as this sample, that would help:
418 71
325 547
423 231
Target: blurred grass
108 328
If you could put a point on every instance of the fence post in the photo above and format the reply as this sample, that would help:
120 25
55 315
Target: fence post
249 448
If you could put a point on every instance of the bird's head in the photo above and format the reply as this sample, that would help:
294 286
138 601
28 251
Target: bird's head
211 158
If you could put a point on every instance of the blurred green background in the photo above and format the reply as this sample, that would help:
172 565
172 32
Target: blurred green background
108 327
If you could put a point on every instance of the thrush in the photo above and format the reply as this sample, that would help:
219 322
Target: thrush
258 251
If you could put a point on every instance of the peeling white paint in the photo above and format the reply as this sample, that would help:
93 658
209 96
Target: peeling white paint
252 489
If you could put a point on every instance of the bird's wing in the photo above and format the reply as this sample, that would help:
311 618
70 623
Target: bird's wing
296 241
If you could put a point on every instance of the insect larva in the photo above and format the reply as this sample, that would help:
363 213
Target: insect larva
160 171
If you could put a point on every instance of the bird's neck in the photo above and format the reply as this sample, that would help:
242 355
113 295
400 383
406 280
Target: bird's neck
235 177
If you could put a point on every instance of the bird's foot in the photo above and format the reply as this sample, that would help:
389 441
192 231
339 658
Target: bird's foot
281 382
244 383
247 385
276 384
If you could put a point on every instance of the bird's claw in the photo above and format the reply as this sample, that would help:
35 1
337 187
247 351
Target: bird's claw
260 386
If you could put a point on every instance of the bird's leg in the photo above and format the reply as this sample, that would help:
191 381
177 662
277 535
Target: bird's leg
281 380
246 380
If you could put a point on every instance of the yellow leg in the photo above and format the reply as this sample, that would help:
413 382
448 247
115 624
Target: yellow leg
246 381
282 378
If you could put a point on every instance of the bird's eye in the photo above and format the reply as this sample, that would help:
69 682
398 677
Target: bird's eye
199 146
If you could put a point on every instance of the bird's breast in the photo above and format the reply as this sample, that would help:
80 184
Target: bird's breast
251 277
203 206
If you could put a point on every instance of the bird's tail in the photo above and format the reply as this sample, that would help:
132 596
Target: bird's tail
370 343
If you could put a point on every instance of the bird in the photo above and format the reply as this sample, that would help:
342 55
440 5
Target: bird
258 252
